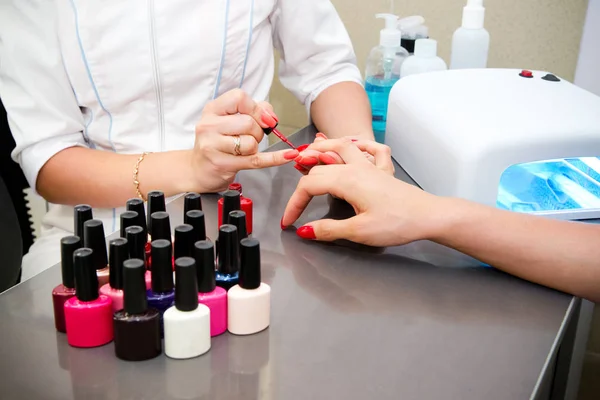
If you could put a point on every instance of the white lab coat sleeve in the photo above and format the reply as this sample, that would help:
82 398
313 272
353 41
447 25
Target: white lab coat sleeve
42 109
315 48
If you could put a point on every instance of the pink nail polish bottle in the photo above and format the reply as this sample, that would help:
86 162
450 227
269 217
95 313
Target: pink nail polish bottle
212 296
66 290
118 254
136 241
88 316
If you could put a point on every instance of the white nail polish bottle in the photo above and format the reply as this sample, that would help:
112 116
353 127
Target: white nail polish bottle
249 302
187 323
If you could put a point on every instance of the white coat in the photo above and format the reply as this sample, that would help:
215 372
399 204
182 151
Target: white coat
133 76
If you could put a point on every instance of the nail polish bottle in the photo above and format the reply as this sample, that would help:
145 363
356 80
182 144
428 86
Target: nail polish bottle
66 290
249 302
137 327
136 241
212 296
137 205
127 219
83 213
195 218
187 323
161 295
118 254
184 241
161 226
192 201
228 260
156 203
246 205
229 201
238 219
94 239
88 315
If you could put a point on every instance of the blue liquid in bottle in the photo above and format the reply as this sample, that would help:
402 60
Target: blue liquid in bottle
378 90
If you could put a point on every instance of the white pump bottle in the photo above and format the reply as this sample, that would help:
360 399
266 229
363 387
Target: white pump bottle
471 42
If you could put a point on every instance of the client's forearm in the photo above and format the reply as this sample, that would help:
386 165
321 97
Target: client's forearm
343 110
562 255
105 179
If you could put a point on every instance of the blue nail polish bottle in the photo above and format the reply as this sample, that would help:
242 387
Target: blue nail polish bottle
229 260
162 293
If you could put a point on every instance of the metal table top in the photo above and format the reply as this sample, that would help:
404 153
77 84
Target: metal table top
347 322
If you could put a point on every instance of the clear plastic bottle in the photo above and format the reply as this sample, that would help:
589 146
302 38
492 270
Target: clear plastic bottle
424 60
383 71
471 42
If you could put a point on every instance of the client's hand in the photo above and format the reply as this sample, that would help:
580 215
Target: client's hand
388 211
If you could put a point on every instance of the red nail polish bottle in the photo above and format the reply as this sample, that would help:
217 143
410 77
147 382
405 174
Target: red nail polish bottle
88 316
66 290
245 205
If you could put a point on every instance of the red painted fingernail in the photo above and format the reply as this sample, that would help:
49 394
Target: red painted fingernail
354 140
306 232
283 227
303 147
268 120
272 114
291 154
309 161
327 159
300 168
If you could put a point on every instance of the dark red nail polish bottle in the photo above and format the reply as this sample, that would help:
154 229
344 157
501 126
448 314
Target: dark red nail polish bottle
66 290
137 327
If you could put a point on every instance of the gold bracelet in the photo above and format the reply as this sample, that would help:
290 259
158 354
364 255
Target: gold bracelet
136 171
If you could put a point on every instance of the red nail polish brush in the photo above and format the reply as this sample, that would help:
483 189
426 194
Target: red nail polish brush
280 135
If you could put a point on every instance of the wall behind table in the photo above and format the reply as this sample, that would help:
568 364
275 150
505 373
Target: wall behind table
535 34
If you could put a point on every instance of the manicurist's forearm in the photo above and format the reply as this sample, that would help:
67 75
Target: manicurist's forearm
105 179
559 254
343 110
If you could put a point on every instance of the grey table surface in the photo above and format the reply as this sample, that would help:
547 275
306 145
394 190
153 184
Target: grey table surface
347 322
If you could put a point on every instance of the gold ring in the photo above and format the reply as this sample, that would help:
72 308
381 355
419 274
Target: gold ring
237 143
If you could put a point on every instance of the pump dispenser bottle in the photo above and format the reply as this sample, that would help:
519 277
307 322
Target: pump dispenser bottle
118 254
412 29
187 323
383 71
249 302
136 326
425 59
209 294
471 42
66 290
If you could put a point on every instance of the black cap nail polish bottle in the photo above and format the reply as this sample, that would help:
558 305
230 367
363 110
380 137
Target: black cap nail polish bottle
66 290
137 327
187 323
230 201
88 315
195 218
137 205
94 239
212 296
228 261
82 213
192 201
136 240
161 226
127 219
156 203
161 295
118 254
184 241
250 297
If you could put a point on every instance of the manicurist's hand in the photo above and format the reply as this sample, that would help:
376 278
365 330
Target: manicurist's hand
388 211
227 138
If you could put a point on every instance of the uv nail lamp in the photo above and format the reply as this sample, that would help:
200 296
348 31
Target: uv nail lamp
525 141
